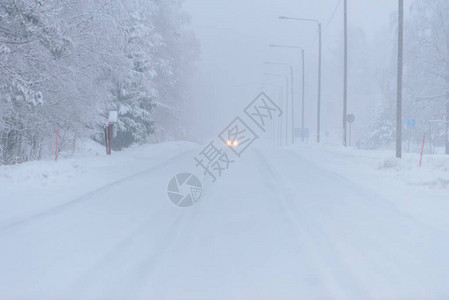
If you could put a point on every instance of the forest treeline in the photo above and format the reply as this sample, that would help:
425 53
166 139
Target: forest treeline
65 64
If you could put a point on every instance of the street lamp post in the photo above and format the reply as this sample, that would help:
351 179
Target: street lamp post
280 105
399 83
345 75
291 91
280 91
319 69
303 90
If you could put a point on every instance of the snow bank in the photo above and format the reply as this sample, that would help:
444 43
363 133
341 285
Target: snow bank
33 186
421 192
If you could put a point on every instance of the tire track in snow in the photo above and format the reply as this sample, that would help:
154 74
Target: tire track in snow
372 249
82 199
301 240
338 279
394 264
373 196
373 199
137 269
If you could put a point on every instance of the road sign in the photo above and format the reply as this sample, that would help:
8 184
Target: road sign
350 118
411 123
113 117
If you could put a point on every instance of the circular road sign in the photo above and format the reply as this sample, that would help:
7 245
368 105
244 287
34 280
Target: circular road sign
350 118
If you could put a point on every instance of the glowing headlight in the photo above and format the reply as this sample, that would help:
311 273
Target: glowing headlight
234 143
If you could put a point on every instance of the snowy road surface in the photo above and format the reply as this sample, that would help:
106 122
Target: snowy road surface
276 226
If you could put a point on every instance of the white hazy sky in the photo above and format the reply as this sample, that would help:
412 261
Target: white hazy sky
234 37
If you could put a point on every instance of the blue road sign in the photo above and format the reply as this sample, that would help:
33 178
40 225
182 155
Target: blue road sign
411 123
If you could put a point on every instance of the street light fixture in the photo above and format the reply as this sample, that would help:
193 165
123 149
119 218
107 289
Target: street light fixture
319 69
303 90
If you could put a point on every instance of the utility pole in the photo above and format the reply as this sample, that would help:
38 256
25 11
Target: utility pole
399 87
286 112
447 127
280 119
319 87
279 129
345 88
293 105
303 97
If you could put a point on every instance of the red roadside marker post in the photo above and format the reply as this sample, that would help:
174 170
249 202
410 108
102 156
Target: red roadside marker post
422 149
109 137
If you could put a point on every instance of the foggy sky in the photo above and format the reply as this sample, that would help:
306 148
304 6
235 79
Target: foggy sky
235 35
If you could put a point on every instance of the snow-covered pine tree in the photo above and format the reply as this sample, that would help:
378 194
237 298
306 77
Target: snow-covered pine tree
426 81
65 64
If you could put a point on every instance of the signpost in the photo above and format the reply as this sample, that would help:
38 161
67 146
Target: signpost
350 118
110 130
422 149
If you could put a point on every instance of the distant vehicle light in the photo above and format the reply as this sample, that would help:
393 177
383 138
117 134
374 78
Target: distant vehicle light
230 143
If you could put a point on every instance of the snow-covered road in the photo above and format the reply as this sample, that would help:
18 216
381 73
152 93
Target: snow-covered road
276 226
